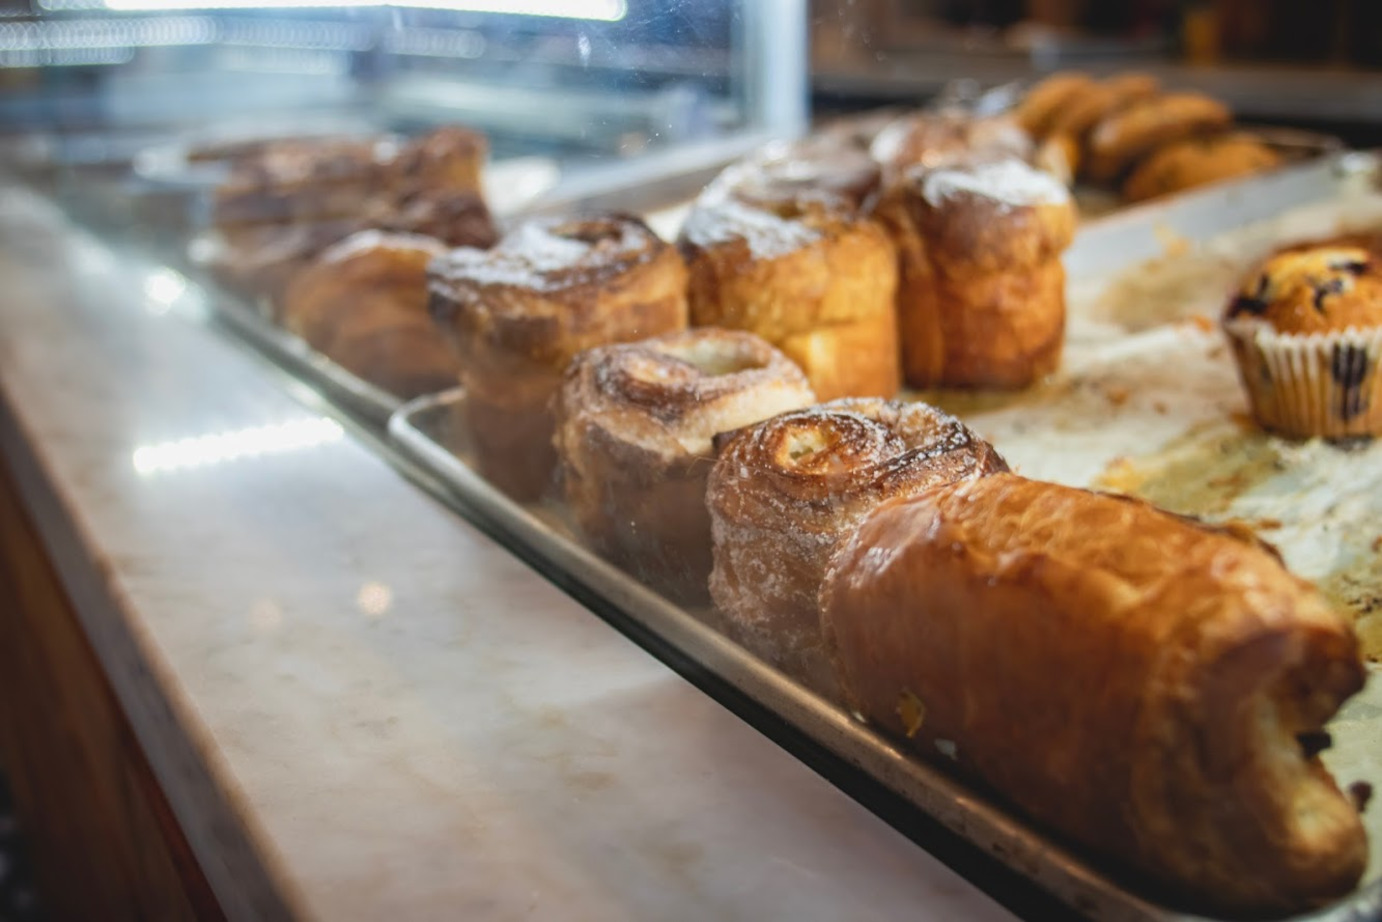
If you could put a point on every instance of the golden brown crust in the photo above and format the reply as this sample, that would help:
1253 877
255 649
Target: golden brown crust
809 276
1323 289
635 424
1091 104
937 139
1044 102
518 313
363 304
1128 134
1197 162
1138 682
784 492
981 299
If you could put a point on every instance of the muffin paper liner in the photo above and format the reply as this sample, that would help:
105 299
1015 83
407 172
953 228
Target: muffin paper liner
1323 384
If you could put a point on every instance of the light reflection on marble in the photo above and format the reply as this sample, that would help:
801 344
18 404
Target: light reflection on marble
409 722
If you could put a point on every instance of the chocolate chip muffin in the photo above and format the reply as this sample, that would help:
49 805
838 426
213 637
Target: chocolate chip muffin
1306 330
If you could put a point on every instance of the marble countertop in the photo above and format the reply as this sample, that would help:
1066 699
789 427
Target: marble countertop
360 706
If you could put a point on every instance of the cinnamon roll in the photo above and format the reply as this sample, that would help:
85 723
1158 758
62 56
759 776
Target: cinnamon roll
809 274
981 301
518 313
819 168
634 429
783 493
363 304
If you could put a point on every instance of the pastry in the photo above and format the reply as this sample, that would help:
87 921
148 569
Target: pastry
1059 154
809 274
784 492
1126 135
1306 331
518 313
936 139
363 304
783 174
1089 104
1196 162
1151 688
1044 102
286 202
633 435
981 300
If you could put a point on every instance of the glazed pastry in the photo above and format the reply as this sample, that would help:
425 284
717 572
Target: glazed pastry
1197 162
518 313
807 273
1044 102
1090 104
1306 331
1151 688
634 429
260 261
934 139
1129 134
363 304
783 493
981 301
298 181
786 174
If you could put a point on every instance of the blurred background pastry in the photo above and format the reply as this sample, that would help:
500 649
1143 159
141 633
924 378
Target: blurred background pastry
1197 162
1126 135
518 313
981 298
363 304
634 424
784 492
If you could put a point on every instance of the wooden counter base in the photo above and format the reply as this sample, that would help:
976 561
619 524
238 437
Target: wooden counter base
104 841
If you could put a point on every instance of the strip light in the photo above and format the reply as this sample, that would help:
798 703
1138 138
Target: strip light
235 445
599 10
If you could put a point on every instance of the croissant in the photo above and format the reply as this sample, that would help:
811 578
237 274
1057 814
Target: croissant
518 313
784 492
1149 687
634 429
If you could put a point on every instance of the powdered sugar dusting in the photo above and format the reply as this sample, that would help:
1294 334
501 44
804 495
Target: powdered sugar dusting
1011 183
535 255
717 220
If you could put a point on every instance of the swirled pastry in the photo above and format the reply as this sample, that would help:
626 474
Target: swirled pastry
363 304
809 274
981 301
786 173
518 313
1150 687
634 429
783 493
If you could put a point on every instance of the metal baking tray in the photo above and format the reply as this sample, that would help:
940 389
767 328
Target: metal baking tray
426 434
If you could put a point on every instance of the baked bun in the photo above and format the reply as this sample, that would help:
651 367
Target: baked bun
634 429
1306 331
1154 689
1090 104
1044 102
363 304
285 203
792 172
784 492
518 313
935 139
1198 162
1126 135
981 300
807 273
